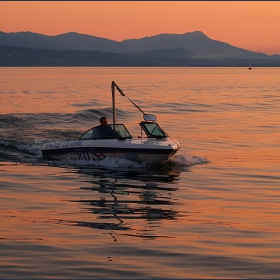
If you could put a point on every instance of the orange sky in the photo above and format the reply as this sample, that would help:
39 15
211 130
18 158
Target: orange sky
252 25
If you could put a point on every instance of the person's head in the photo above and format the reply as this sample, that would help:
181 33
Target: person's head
103 121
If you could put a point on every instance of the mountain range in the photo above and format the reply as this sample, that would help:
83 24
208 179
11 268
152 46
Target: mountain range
74 49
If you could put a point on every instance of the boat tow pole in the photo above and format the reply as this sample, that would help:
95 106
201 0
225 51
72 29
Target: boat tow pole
113 86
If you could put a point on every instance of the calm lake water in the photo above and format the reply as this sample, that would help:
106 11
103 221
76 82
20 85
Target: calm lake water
212 212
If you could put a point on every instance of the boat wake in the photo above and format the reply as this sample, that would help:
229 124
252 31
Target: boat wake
114 162
187 160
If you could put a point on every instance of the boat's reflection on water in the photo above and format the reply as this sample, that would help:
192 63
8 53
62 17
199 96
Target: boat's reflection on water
132 202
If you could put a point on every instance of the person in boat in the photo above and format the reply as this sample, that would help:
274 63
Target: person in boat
103 121
105 131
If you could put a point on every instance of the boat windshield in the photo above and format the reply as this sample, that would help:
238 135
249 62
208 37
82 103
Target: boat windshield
110 131
153 130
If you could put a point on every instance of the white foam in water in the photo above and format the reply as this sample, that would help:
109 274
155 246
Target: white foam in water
187 160
34 149
110 162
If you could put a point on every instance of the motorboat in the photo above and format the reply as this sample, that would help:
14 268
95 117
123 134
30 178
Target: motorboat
114 140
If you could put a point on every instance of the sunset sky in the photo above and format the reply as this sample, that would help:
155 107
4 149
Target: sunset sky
251 25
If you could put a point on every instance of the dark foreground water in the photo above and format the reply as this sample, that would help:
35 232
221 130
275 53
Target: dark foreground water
213 211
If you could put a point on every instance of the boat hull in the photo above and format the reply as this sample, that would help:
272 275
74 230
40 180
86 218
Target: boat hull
137 150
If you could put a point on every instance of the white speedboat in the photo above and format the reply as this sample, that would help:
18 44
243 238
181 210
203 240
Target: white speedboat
114 140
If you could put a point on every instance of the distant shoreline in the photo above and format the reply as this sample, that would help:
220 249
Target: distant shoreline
137 66
193 49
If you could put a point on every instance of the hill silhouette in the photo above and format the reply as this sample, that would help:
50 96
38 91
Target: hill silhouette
74 49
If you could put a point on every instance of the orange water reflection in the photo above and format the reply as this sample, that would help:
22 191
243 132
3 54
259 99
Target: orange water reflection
219 219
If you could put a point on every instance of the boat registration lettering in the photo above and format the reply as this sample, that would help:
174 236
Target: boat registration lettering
71 143
64 144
